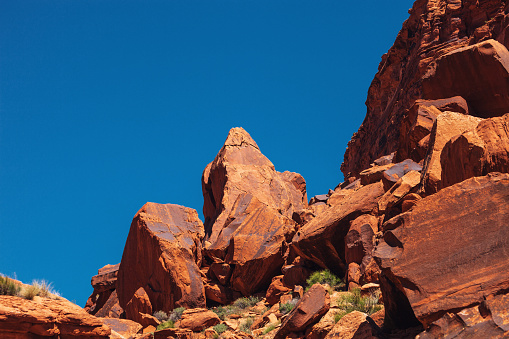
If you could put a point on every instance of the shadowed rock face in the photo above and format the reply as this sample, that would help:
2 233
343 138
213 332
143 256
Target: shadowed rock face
434 28
449 252
248 208
161 256
103 300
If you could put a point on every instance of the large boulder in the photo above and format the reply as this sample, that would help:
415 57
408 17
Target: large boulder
447 253
313 305
161 259
239 168
44 317
446 126
248 208
477 152
322 239
478 73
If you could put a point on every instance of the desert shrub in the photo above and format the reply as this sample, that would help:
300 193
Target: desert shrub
166 324
176 314
268 329
354 301
287 307
245 302
325 277
8 286
221 312
161 316
339 315
220 328
39 288
246 325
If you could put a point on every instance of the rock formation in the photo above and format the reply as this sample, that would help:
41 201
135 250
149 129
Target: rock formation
161 259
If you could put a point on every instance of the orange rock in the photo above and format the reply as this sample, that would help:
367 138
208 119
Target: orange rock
248 207
399 190
409 201
448 252
353 325
313 305
104 284
198 319
447 125
43 317
322 239
373 174
124 327
478 73
359 239
138 305
161 256
477 152
276 289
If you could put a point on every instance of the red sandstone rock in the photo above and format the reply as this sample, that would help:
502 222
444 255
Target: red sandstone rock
373 174
398 171
43 317
248 208
433 29
477 73
418 123
322 239
446 126
124 327
447 253
198 319
353 325
161 256
240 167
104 284
276 289
137 306
477 152
313 305
399 190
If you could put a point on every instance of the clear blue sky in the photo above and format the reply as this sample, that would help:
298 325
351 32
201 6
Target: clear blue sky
105 105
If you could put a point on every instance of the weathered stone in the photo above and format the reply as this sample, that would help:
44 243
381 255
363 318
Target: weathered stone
240 167
124 327
44 317
198 319
353 325
446 126
322 239
276 289
477 73
161 255
296 273
137 306
359 239
396 172
373 174
399 190
409 201
313 305
221 271
477 152
447 253
418 123
104 284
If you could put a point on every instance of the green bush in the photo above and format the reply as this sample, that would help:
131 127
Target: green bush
166 324
246 325
325 277
220 328
161 316
287 307
176 314
270 328
221 312
8 286
237 307
354 301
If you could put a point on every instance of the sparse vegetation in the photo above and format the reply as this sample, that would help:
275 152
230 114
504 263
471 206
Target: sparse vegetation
288 307
161 316
166 324
325 277
237 307
269 328
8 286
220 328
354 301
39 288
246 325
176 314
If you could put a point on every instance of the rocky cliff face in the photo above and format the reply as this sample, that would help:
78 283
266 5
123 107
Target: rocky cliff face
427 61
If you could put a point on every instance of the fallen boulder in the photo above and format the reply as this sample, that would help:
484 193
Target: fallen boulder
161 257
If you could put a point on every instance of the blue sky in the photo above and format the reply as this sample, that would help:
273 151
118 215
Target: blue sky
105 105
